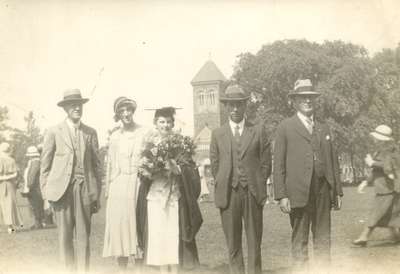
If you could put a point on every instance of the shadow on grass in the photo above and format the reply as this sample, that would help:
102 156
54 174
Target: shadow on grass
383 244
224 269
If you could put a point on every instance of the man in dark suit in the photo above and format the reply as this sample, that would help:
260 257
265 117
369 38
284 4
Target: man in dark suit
306 176
70 180
241 164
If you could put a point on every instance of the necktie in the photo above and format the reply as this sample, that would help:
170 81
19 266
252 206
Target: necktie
310 125
237 134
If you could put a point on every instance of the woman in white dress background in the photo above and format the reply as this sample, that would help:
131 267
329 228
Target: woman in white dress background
122 183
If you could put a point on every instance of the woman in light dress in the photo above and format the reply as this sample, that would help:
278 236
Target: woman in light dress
169 213
8 186
122 183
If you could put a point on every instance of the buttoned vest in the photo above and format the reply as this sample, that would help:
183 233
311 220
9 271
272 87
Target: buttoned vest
76 143
319 164
238 172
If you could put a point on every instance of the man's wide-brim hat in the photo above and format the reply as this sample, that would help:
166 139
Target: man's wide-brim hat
303 87
72 96
382 133
234 93
32 151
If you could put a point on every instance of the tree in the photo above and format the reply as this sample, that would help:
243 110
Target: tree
342 72
3 122
387 96
22 139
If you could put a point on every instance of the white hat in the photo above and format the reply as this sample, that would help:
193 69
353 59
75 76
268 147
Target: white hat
32 151
4 147
206 162
382 133
303 87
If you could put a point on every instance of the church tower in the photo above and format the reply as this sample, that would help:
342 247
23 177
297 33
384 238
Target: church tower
207 89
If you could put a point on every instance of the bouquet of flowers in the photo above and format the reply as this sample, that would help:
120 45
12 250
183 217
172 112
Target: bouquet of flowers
163 154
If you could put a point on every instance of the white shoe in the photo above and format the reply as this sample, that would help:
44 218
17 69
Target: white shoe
10 230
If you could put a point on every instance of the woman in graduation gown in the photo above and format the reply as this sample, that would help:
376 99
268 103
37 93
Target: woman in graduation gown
169 218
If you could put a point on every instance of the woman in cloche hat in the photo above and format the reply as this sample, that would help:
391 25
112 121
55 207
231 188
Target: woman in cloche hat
120 237
386 205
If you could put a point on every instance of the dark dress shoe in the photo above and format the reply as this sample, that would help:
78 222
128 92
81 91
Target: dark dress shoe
361 243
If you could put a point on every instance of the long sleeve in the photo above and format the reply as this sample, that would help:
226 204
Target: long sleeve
46 161
34 170
214 155
265 154
279 162
96 160
109 160
336 170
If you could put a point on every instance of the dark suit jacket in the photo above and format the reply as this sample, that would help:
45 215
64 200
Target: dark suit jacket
293 161
255 157
33 175
57 162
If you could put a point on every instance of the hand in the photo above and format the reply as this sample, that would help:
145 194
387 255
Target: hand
368 160
284 204
173 167
391 176
339 203
361 186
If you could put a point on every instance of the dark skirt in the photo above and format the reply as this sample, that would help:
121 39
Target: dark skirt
386 211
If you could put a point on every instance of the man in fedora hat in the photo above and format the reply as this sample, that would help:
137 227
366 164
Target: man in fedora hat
306 176
241 164
70 179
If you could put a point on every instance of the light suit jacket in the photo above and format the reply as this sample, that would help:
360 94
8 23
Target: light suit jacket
57 161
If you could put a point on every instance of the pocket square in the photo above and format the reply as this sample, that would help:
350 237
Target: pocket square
328 137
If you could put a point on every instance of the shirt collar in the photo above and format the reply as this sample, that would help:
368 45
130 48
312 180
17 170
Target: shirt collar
72 125
305 119
233 124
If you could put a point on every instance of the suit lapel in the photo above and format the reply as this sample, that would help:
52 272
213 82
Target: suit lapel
83 139
227 137
318 132
247 136
300 128
66 134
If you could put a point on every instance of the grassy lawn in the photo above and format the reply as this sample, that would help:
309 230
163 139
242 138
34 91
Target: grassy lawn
33 250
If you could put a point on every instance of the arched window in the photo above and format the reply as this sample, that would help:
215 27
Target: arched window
201 98
212 96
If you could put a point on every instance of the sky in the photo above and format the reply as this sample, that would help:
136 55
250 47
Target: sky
150 50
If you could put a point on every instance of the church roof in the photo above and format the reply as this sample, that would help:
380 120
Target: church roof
209 72
204 136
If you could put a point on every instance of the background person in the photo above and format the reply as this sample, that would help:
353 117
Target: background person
8 186
386 204
32 187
